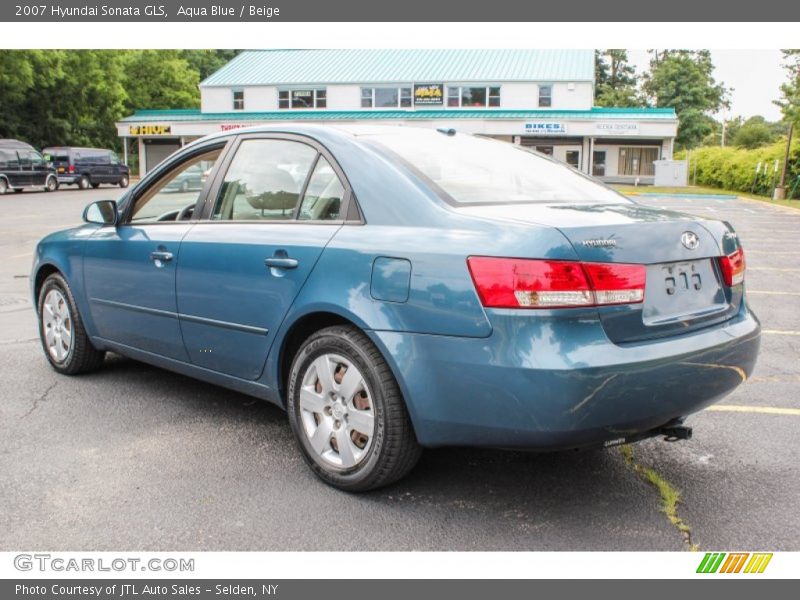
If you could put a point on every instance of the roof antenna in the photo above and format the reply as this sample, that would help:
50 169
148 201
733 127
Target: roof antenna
446 131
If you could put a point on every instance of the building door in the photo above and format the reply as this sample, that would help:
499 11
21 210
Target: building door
599 163
157 150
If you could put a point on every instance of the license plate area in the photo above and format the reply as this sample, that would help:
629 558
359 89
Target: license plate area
682 291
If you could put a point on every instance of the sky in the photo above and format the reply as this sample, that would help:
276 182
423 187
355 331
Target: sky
754 75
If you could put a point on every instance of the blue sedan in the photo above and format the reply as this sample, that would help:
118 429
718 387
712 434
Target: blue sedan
398 288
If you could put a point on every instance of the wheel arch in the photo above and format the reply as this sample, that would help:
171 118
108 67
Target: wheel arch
43 272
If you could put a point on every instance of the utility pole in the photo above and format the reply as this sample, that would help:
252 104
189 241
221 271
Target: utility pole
780 191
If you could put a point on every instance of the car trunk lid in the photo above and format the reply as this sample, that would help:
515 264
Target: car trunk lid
684 290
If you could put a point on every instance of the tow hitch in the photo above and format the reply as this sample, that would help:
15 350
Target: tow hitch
673 433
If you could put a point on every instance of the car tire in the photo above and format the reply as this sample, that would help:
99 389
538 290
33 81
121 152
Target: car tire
3 186
184 187
58 315
326 421
123 183
84 183
95 185
51 185
18 190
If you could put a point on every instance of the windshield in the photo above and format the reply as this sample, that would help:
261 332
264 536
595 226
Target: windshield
475 170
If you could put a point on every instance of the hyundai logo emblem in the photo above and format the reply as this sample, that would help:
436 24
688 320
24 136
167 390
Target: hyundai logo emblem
690 240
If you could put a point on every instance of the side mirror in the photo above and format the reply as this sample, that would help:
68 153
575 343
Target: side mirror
102 212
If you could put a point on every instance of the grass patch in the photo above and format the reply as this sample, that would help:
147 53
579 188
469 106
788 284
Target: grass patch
670 497
701 191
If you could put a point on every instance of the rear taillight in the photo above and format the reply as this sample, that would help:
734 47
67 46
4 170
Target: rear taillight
529 283
71 168
733 268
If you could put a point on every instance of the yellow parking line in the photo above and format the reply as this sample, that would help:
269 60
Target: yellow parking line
779 332
769 410
768 292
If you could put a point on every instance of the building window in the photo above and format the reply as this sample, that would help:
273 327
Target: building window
545 96
574 158
238 99
306 98
465 97
635 160
385 97
546 150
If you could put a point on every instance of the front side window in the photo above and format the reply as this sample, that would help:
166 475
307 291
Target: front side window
545 96
264 181
305 98
473 97
474 170
238 100
179 189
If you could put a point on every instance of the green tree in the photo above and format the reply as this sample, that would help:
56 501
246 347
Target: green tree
683 80
160 79
615 79
790 91
205 62
753 133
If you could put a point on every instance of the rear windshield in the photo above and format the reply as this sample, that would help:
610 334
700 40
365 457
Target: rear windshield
475 170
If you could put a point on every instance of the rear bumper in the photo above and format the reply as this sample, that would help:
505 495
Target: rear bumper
68 178
548 383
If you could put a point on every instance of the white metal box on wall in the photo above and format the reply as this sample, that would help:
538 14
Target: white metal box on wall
671 173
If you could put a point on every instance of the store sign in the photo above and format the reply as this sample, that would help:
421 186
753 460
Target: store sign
546 128
149 129
616 128
429 94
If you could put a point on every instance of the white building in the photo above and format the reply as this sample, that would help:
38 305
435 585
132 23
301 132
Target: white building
538 98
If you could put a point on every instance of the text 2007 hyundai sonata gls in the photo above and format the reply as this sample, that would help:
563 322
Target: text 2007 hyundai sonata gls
397 288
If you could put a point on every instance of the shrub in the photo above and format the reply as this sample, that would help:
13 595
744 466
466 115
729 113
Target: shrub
735 168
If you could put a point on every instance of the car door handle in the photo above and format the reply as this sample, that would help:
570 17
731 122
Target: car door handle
281 262
160 256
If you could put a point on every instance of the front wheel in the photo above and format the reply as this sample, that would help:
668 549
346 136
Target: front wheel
123 183
347 412
3 186
64 339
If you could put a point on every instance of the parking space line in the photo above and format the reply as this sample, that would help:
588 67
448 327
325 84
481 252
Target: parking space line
772 269
769 410
779 332
771 293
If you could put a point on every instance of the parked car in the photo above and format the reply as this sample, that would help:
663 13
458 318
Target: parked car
22 167
412 289
86 167
190 180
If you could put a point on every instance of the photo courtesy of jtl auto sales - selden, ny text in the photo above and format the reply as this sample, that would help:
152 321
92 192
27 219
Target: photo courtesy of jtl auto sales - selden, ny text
343 299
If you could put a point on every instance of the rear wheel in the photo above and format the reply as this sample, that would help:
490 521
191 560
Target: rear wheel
63 337
83 182
51 185
347 412
123 183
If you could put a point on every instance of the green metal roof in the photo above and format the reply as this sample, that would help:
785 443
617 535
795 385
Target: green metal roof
317 67
150 116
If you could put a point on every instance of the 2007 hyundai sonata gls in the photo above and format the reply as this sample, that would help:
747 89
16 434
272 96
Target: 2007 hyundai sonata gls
397 288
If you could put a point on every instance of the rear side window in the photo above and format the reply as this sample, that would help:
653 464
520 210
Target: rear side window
264 181
323 198
475 170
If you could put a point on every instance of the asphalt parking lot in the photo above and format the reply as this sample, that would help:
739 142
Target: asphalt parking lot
136 458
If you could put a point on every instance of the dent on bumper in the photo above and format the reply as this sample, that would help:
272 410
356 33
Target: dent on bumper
549 383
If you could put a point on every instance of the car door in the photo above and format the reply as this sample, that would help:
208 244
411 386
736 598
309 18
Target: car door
24 172
241 267
39 169
129 270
